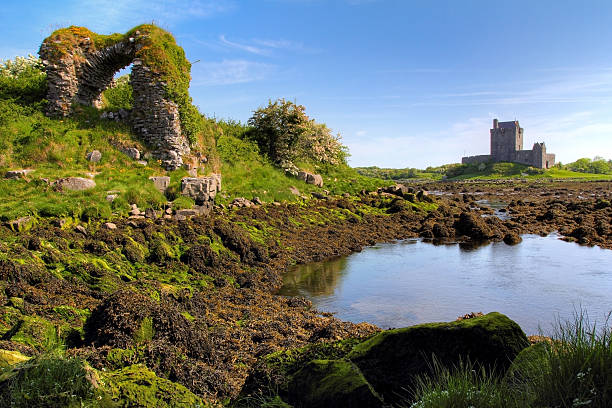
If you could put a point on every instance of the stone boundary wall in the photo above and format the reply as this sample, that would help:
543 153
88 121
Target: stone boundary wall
80 73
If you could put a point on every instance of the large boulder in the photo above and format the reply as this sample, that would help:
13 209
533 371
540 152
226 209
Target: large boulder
74 183
330 384
391 360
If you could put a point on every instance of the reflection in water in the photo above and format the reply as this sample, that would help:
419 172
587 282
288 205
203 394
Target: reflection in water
321 278
410 282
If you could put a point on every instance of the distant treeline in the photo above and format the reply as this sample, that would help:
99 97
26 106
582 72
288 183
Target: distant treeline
597 165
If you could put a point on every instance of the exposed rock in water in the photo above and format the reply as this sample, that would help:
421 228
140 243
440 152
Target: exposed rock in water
512 238
473 226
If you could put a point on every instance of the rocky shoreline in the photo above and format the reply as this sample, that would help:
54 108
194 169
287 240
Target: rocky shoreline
193 300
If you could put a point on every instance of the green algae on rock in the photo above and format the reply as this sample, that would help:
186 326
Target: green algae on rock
136 385
332 384
392 359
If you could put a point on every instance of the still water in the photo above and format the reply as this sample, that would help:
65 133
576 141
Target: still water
411 282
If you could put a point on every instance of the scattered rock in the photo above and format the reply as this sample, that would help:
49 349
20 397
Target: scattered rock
142 162
111 197
161 183
81 229
22 223
241 202
109 225
512 238
132 153
294 191
151 213
94 156
397 189
257 201
74 183
311 178
17 174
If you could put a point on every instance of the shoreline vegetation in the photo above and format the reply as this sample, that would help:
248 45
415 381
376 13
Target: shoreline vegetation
101 306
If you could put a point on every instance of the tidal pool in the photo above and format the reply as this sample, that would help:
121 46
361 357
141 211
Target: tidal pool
535 283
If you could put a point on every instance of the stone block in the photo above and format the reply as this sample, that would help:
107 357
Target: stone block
161 183
201 189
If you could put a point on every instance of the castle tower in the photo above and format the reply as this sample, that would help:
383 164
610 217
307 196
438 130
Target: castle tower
506 139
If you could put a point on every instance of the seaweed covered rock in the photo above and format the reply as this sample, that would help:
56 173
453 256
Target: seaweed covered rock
392 359
137 386
512 238
473 226
237 240
330 384
127 318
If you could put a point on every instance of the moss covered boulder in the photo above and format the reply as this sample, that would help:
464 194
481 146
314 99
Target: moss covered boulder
332 383
137 386
392 359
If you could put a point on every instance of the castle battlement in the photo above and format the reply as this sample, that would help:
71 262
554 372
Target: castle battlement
507 146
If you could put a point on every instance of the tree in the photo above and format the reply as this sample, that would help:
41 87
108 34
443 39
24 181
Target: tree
285 133
277 129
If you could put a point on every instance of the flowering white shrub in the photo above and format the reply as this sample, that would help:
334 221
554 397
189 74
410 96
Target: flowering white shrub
14 68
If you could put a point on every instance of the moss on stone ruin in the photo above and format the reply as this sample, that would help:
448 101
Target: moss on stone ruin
81 64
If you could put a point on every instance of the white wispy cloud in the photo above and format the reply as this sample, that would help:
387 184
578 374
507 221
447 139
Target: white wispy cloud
264 47
228 72
244 47
594 86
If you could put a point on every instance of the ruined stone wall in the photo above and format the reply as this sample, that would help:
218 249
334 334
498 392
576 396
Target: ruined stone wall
483 158
80 73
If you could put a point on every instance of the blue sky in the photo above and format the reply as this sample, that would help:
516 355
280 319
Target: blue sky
406 83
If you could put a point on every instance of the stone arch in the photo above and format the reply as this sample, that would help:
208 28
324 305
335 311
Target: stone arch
81 64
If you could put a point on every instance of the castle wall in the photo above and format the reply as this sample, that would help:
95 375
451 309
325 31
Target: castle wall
483 158
524 157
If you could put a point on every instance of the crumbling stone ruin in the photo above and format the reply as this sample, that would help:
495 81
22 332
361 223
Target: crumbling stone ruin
80 65
507 146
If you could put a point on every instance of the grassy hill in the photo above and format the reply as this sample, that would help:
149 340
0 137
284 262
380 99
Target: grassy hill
55 148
